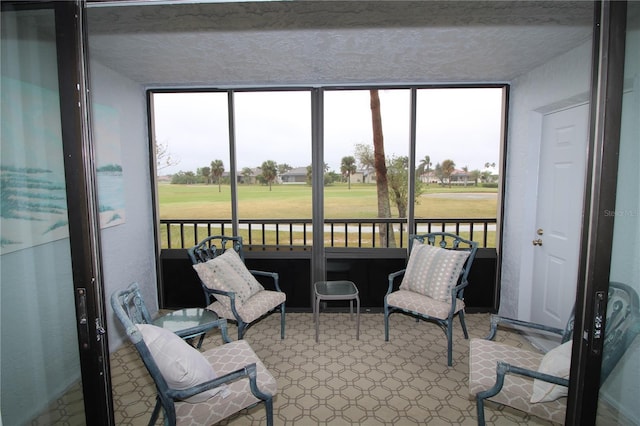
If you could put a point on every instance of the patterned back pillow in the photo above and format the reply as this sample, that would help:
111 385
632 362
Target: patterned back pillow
228 272
433 271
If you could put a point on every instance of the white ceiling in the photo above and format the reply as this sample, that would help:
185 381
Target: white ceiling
332 42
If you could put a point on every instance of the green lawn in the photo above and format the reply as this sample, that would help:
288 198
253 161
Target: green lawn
294 201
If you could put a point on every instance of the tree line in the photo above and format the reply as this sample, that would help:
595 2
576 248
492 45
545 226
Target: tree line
213 174
397 167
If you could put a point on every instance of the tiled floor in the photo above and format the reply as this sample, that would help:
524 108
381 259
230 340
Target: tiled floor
338 381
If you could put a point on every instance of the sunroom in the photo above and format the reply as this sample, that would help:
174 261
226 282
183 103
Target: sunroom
540 56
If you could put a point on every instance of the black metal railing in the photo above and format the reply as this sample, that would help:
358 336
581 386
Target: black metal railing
290 234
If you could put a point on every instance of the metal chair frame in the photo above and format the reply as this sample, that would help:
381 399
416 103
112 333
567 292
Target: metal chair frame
130 309
441 239
615 345
214 246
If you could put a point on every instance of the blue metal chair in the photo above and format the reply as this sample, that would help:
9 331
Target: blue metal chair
188 323
421 293
505 374
226 303
242 382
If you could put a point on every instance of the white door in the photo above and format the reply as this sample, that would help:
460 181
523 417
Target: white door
556 238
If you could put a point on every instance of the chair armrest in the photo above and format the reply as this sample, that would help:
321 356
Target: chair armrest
273 275
192 332
503 368
230 294
455 290
392 277
456 294
497 320
249 371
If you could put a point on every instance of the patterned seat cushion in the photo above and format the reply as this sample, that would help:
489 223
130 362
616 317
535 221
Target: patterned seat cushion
419 303
517 390
256 306
225 359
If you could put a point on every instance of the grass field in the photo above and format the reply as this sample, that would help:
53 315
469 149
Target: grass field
294 202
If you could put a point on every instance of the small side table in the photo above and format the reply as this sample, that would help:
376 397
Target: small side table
189 323
336 290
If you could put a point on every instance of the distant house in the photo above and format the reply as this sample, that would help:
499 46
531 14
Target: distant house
241 178
358 177
226 177
296 175
367 176
459 177
429 177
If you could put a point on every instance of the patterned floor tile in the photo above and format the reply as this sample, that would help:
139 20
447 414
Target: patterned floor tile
340 380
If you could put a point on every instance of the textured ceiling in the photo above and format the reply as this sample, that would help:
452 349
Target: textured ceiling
332 42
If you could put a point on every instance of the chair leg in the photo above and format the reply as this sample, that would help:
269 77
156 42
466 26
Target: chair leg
242 326
463 324
316 316
282 321
200 340
480 410
449 343
386 322
268 406
156 412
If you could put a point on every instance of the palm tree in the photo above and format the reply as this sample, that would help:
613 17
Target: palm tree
269 171
217 169
246 174
205 172
382 184
488 165
348 167
448 167
475 176
283 168
425 167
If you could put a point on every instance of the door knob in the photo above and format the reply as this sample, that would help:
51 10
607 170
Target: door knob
537 242
540 231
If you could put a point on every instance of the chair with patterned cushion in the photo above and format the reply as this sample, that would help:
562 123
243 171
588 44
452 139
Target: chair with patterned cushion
433 283
231 290
538 383
195 388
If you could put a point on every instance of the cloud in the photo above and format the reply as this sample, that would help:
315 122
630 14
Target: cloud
460 124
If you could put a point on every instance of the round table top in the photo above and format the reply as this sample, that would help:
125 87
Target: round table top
187 321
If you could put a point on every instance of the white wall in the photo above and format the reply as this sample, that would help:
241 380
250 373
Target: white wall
561 82
127 249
